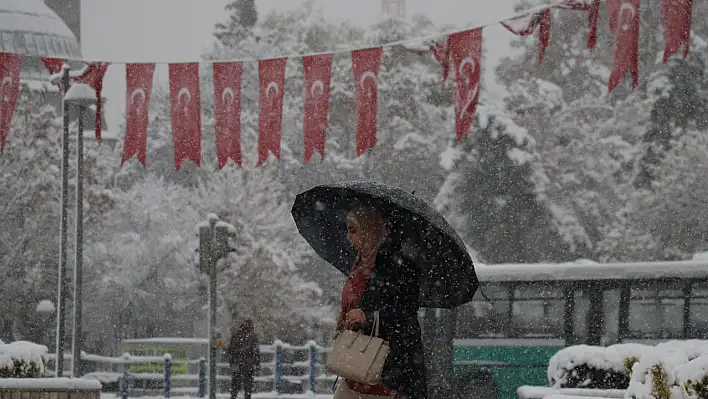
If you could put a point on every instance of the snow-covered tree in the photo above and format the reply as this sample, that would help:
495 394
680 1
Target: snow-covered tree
260 279
141 273
499 189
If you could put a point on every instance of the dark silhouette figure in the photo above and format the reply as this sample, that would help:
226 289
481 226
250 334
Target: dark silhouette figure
244 358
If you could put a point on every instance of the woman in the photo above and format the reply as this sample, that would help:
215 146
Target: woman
244 358
382 280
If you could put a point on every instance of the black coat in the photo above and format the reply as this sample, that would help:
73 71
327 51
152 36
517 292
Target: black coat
393 292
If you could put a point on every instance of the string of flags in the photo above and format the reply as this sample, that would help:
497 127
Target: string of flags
459 51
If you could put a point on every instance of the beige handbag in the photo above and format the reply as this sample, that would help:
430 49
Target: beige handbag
358 357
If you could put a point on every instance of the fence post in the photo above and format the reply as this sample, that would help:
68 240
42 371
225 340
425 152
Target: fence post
202 377
168 374
313 366
278 365
124 384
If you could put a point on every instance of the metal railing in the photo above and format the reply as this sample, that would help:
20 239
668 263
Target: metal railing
285 369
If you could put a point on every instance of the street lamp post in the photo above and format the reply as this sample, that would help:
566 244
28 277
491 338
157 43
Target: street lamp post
62 284
213 245
81 96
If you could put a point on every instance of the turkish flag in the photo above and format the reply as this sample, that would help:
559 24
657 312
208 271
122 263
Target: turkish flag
185 112
366 64
9 90
676 19
227 111
93 76
271 76
53 65
526 25
624 23
466 53
318 73
138 79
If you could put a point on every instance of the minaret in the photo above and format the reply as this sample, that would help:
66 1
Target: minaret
393 9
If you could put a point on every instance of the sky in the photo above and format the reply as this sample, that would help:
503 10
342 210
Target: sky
180 30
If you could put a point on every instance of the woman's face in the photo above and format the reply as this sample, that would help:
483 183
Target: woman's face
355 235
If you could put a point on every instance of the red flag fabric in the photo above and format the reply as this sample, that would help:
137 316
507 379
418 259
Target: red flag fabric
53 65
93 76
441 52
624 23
526 25
366 64
9 90
138 79
592 7
227 111
466 53
318 73
271 76
185 112
676 19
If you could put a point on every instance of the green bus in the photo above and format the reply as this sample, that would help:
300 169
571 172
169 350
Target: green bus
536 309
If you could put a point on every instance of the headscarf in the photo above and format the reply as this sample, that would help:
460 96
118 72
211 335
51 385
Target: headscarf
375 233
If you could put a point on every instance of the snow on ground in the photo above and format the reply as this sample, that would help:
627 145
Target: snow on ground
49 383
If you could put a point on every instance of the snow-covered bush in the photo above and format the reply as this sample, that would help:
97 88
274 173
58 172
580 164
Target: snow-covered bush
655 377
693 378
22 359
594 367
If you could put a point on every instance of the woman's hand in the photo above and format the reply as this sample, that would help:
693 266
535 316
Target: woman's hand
354 317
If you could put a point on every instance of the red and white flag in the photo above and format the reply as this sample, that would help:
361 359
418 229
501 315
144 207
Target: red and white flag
366 64
9 91
271 76
138 79
93 76
318 73
53 65
526 25
185 112
624 23
676 19
466 54
227 111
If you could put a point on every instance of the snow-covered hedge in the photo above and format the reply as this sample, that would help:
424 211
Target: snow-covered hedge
22 359
594 367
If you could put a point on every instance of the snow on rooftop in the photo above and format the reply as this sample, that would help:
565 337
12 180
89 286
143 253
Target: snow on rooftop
32 16
45 306
599 271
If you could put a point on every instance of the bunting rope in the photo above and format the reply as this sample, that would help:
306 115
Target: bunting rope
348 50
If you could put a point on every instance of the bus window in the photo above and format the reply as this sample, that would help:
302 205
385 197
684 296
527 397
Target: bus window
581 308
610 314
698 313
656 311
481 319
537 310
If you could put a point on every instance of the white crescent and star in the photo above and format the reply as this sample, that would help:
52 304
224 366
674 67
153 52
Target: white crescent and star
467 61
184 92
139 92
368 75
317 84
632 11
472 95
228 96
274 86
5 85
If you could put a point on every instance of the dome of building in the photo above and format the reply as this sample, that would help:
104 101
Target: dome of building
31 28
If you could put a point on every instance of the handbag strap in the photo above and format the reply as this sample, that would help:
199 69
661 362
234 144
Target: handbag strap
375 327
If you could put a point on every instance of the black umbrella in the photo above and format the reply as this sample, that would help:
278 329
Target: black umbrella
320 215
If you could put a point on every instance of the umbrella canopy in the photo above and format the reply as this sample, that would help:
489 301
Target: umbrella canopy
449 279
